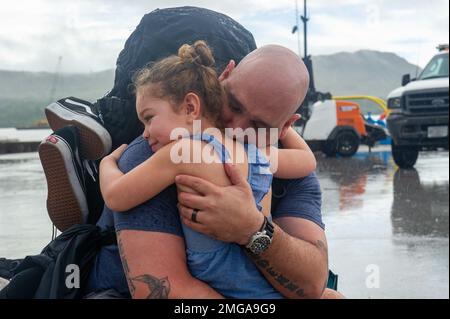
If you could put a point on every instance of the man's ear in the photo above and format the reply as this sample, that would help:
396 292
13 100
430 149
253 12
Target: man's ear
226 73
294 118
192 107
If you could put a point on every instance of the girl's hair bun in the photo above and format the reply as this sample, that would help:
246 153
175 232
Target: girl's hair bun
198 53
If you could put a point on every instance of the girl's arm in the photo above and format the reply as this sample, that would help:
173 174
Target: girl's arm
122 192
295 160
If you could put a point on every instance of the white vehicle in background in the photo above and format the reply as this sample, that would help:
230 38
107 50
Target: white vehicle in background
419 111
337 126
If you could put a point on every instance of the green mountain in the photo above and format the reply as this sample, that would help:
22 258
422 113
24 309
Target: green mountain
24 95
361 73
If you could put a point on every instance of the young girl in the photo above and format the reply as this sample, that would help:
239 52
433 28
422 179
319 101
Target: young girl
172 94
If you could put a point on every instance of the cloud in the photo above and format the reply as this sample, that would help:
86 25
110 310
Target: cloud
411 29
90 34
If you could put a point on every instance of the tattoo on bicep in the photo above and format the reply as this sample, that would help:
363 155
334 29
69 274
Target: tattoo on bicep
265 266
126 269
159 288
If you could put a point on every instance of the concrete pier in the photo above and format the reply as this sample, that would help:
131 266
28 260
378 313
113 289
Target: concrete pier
9 147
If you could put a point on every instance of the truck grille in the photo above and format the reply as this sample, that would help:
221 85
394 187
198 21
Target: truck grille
427 102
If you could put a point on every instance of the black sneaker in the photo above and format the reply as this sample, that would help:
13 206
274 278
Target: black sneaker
64 171
95 141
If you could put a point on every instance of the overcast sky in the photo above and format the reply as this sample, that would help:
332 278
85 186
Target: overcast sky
89 34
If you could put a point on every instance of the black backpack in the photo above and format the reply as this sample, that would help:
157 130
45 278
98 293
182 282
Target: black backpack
160 34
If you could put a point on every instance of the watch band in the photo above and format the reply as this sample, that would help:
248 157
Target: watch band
261 241
268 227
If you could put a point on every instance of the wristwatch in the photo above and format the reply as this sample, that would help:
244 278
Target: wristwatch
261 241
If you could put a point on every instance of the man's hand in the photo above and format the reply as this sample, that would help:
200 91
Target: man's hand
228 213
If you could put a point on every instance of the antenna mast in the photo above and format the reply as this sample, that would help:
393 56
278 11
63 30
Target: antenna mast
305 20
297 23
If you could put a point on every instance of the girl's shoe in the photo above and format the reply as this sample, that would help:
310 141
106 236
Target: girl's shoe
95 141
64 171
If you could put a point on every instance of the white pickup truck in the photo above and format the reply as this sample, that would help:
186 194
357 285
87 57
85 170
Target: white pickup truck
419 112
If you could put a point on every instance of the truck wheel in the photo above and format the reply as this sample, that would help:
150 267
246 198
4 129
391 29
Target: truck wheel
404 157
347 144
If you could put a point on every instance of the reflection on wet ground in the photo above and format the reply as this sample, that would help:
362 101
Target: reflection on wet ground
388 229
24 225
419 208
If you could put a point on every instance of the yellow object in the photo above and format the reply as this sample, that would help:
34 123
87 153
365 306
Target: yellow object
378 101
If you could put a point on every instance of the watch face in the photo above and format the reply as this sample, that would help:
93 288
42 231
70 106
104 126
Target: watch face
260 244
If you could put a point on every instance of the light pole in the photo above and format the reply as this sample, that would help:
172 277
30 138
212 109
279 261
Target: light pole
305 20
295 29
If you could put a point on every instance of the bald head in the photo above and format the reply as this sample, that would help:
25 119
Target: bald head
265 89
275 75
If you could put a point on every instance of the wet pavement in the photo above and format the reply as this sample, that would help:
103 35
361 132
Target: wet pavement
25 227
388 229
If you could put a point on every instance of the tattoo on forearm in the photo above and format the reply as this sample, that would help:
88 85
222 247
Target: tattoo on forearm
126 269
159 288
264 265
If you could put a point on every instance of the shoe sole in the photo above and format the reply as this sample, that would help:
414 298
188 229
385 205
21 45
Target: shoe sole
66 203
95 141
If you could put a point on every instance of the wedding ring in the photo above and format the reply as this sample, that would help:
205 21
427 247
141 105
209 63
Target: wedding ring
194 215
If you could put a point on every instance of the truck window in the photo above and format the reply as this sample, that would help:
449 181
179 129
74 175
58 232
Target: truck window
368 106
437 68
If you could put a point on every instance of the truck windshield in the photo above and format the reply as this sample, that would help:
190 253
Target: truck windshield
437 68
